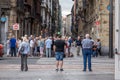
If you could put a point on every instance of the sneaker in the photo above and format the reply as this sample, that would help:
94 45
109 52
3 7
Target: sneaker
26 69
56 70
90 70
61 70
84 70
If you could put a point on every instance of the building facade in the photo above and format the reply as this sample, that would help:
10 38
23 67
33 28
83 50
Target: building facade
56 17
63 30
68 25
46 16
27 14
4 19
33 16
59 19
91 16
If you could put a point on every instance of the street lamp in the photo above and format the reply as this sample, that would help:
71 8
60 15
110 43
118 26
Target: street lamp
111 30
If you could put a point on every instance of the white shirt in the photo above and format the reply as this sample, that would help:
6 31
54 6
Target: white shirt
31 43
8 44
19 42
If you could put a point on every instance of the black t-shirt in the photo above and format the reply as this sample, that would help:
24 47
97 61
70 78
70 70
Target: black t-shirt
78 42
59 45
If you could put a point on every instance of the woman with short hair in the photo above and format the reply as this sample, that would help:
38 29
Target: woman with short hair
24 50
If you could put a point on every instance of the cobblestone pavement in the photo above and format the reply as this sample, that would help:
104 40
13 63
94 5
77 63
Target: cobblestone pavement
44 69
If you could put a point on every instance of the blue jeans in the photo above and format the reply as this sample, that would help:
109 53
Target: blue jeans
13 51
59 56
95 53
48 52
87 57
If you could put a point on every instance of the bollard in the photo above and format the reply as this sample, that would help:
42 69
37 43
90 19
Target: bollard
105 51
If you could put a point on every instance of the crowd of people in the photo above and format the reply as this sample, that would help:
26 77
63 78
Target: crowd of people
56 46
39 46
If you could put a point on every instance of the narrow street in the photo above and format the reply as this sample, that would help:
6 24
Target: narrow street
39 27
44 69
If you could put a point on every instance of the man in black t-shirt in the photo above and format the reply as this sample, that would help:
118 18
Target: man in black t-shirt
59 47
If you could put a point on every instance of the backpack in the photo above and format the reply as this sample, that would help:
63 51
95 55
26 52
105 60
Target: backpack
22 49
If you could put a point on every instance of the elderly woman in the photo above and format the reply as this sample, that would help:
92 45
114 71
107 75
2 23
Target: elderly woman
24 50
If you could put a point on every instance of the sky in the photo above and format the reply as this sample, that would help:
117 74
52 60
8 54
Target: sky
66 6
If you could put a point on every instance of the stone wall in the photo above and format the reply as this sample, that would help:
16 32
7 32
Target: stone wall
99 8
104 22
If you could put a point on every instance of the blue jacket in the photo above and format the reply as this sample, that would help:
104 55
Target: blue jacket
12 42
26 46
87 43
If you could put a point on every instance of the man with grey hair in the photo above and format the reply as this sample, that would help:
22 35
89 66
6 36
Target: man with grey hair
48 44
87 51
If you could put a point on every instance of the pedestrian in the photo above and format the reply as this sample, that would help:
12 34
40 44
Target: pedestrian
67 47
98 47
24 50
71 54
30 38
52 51
36 46
94 50
19 40
48 44
78 45
32 45
13 46
8 47
70 40
87 52
59 48
42 45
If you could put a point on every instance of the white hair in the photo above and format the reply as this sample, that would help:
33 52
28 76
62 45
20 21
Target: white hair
25 39
87 35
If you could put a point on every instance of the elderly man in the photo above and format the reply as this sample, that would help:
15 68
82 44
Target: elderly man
87 51
48 44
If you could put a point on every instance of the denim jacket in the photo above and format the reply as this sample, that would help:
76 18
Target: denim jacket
26 46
